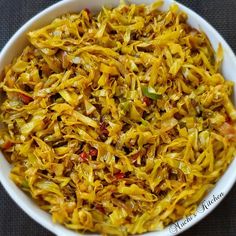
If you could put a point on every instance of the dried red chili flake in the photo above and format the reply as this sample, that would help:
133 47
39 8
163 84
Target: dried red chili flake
25 99
7 145
93 152
119 175
84 156
147 101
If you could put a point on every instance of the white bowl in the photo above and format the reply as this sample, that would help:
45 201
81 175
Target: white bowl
19 41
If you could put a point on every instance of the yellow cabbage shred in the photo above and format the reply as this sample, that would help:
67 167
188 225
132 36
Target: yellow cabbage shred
119 122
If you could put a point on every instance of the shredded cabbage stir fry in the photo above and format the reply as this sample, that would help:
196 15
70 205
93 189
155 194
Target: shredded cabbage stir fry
120 122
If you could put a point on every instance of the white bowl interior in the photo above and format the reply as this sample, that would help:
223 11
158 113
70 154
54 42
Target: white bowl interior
19 41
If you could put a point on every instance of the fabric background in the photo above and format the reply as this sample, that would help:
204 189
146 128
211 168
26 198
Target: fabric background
221 14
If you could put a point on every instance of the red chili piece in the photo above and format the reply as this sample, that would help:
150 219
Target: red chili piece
84 156
7 145
147 101
93 152
119 175
25 99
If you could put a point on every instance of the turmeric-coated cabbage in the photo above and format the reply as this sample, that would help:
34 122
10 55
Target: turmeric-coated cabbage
120 122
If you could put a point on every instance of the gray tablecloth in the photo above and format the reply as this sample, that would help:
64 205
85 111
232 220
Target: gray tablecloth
221 14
